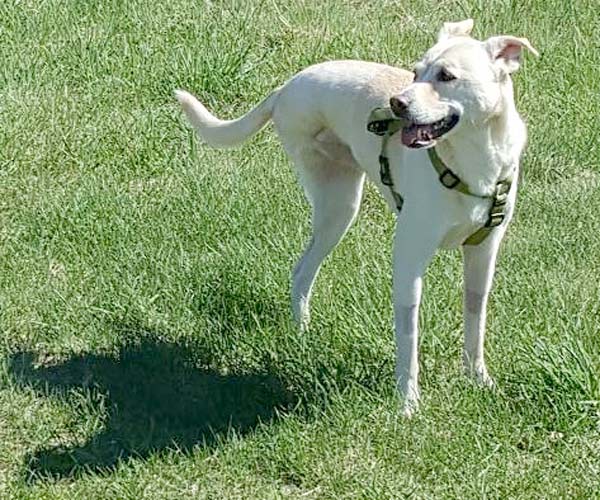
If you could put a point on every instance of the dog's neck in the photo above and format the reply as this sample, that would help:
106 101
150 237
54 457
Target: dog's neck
484 153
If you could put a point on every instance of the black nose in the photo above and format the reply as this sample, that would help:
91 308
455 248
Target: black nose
399 105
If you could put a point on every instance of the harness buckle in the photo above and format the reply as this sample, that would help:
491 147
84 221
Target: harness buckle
378 127
501 193
495 219
500 200
449 179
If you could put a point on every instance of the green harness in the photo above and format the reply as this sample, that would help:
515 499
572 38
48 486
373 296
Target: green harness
384 123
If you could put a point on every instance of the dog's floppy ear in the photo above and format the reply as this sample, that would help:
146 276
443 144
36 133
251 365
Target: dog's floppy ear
506 51
461 28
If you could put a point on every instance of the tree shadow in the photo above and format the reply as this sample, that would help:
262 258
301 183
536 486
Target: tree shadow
156 399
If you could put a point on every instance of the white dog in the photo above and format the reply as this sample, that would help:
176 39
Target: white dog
451 168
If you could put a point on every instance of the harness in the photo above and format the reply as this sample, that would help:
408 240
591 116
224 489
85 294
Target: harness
383 122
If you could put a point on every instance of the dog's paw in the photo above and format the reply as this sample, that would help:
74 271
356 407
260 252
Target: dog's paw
302 322
485 381
409 401
409 408
481 377
301 314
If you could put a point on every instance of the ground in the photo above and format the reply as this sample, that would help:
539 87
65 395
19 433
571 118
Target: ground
147 349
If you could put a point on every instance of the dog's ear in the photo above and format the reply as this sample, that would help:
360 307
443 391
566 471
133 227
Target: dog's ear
461 28
506 51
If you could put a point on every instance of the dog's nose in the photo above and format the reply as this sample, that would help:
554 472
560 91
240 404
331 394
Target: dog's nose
399 105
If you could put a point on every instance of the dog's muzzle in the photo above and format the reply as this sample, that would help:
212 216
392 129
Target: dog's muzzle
421 135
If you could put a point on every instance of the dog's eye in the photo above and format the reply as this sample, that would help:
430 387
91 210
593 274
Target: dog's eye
415 76
445 76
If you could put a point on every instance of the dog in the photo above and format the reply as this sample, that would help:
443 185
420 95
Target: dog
458 103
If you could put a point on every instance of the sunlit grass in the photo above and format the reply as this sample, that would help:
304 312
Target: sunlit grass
144 277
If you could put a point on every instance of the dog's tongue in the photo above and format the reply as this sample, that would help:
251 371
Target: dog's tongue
417 136
410 135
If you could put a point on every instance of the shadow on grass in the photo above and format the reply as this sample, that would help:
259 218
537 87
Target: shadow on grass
156 399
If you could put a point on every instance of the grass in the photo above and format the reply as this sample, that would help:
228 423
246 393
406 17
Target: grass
146 347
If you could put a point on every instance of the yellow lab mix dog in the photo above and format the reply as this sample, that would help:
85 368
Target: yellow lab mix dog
445 156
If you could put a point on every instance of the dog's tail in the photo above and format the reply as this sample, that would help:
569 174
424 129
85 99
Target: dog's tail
225 133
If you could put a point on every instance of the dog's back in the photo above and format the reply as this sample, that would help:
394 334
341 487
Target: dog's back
329 95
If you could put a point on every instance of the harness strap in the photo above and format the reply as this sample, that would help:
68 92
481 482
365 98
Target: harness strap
496 214
386 176
383 122
449 179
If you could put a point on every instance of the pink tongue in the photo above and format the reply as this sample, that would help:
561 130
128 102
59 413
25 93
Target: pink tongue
409 135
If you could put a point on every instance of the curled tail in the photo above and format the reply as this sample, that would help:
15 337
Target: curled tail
225 133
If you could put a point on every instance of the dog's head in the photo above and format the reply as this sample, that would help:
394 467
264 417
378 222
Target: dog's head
458 80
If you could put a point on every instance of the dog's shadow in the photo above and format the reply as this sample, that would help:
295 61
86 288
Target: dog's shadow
156 399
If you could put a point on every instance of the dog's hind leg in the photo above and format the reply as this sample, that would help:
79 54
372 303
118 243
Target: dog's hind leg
333 185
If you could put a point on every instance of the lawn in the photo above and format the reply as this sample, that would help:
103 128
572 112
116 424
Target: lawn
146 347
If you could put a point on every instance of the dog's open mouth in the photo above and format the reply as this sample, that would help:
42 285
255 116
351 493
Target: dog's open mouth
418 135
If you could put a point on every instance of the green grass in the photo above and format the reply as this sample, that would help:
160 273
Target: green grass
146 344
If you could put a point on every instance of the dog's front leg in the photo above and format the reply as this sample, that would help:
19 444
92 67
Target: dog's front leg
413 249
479 267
